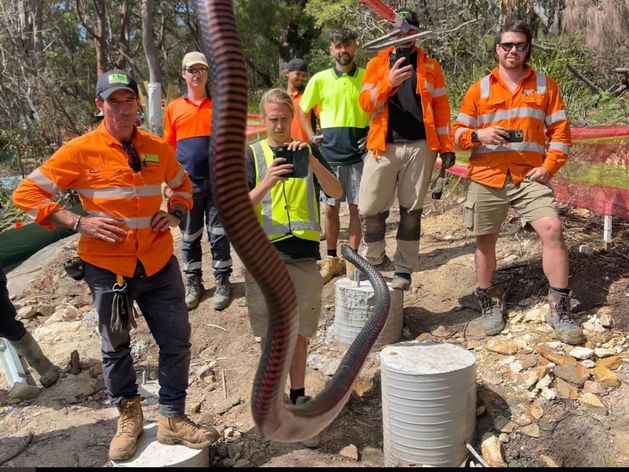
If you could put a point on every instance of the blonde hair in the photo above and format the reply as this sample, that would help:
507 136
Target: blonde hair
278 96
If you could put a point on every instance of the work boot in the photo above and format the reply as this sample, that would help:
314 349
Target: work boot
401 281
330 267
493 309
28 348
313 442
385 265
182 430
194 289
221 295
562 320
125 441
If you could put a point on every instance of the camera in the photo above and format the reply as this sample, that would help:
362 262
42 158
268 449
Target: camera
298 158
515 135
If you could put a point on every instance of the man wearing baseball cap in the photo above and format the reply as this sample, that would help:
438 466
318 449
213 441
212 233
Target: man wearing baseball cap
296 73
188 129
127 250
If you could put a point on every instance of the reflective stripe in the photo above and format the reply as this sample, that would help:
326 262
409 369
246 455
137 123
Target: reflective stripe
192 237
43 182
372 94
440 92
443 131
468 120
541 82
458 133
115 193
258 152
32 214
484 87
555 146
221 264
286 229
132 223
555 118
182 194
511 113
368 86
527 146
178 180
192 266
217 230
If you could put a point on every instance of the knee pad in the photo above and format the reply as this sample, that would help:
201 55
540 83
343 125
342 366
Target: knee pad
410 225
374 227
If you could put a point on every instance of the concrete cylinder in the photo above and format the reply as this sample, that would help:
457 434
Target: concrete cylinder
428 403
354 306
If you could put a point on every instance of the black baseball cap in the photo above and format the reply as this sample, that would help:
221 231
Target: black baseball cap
296 65
409 16
114 80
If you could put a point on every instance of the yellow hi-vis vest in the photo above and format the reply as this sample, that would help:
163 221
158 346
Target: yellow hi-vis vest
291 208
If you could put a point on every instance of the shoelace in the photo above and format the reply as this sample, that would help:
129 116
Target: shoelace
485 303
563 310
127 418
221 289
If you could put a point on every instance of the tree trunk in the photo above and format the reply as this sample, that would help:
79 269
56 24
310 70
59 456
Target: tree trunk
154 117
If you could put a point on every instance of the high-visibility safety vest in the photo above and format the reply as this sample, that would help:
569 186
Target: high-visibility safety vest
431 87
535 107
291 208
96 166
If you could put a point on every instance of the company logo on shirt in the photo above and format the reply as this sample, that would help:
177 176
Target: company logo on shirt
527 92
150 158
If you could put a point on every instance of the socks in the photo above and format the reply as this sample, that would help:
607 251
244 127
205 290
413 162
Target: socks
404 275
332 252
298 392
561 290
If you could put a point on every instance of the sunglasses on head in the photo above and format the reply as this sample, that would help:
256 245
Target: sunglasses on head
132 155
197 71
518 46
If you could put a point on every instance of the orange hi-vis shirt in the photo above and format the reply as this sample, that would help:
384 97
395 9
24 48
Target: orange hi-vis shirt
187 128
96 166
535 107
431 87
296 131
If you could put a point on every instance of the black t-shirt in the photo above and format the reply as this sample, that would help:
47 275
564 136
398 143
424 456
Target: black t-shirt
406 120
291 247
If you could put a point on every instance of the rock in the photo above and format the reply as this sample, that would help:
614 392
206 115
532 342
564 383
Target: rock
611 363
195 407
565 390
544 382
502 346
491 450
26 312
591 386
605 377
65 313
554 356
548 394
581 353
589 363
536 315
531 431
606 320
351 452
576 374
529 378
503 425
591 401
441 332
474 343
515 366
548 461
241 463
604 352
534 410
406 333
228 404
527 360
424 337
204 371
480 410
504 438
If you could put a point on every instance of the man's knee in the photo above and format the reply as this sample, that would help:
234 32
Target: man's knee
374 226
486 242
549 229
409 227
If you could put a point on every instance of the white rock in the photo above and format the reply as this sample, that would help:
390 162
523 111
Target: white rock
548 394
516 366
535 315
544 382
504 437
606 321
588 363
581 353
554 344
604 352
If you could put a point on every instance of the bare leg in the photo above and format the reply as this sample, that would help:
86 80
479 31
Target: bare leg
486 259
355 230
555 261
332 226
297 371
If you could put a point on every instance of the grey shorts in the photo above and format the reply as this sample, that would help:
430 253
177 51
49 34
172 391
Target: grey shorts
486 208
308 287
349 176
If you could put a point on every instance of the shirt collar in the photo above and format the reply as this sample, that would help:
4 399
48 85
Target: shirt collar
187 98
351 73
101 130
495 73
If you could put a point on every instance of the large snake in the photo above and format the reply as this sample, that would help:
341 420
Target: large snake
277 420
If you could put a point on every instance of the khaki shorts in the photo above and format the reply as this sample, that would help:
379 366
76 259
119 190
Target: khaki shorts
308 286
486 208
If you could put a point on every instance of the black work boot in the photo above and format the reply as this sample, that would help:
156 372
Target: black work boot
194 289
222 294
562 320
493 309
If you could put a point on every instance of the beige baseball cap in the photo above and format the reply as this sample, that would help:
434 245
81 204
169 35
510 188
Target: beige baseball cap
193 58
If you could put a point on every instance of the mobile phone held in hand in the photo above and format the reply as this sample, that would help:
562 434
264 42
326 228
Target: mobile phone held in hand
299 160
515 135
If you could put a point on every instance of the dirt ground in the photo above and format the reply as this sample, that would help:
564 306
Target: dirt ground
64 428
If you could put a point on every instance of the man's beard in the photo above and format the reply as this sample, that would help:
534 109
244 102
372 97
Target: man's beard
345 60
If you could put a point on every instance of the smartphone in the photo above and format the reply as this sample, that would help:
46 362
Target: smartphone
515 135
299 160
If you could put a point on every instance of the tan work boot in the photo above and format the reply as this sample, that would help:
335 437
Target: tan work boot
28 348
562 320
330 267
182 430
125 441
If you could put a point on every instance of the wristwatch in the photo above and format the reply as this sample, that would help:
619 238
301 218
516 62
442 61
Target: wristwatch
177 213
475 137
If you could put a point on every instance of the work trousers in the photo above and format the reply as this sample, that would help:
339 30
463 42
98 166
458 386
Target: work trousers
404 169
10 328
204 211
161 301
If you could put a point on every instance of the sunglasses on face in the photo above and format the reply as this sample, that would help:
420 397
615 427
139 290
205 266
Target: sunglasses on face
518 46
132 155
197 71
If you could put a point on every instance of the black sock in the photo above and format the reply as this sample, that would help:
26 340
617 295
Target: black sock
561 290
298 392
332 252
404 275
